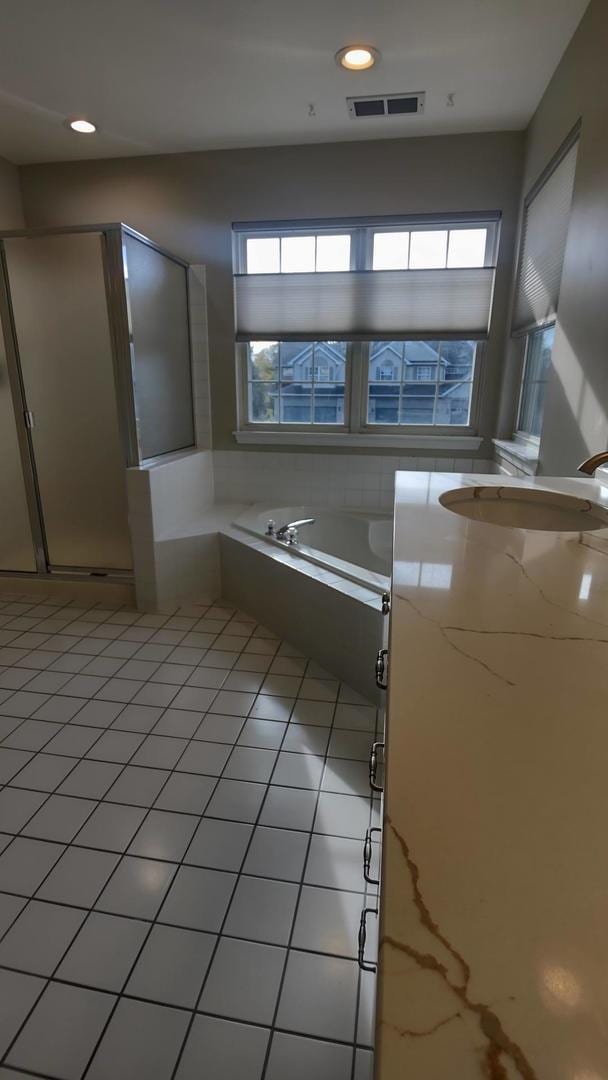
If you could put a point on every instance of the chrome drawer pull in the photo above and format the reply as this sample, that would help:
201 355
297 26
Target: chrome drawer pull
386 603
362 938
367 857
380 668
373 766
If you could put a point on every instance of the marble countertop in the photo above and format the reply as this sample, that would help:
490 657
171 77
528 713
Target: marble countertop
494 921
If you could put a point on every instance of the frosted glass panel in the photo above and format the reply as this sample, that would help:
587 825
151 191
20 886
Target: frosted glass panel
467 247
391 250
162 383
264 255
297 254
428 250
16 547
59 304
333 252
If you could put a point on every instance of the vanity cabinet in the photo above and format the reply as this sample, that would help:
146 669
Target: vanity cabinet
493 899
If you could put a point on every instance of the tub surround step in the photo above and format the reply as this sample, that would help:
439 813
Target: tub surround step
337 622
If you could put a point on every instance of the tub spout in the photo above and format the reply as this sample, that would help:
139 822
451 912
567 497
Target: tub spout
289 532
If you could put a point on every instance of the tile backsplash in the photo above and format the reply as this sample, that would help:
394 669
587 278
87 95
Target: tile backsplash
174 526
355 480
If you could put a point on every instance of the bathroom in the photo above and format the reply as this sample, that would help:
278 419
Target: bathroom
302 598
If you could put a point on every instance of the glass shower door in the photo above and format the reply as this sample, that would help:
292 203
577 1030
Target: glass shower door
62 329
16 544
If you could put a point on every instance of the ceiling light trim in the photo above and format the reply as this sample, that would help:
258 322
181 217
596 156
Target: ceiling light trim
348 59
81 126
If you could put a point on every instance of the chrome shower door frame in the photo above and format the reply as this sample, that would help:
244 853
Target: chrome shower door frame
26 452
120 325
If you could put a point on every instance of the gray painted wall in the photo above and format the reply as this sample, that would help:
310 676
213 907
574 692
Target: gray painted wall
11 209
187 202
576 407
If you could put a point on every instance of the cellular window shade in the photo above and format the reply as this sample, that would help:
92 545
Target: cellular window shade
364 304
545 229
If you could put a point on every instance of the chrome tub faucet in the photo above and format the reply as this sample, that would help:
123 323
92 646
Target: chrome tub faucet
288 533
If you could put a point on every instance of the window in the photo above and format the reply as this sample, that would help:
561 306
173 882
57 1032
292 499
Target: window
327 252
323 358
319 373
543 239
539 346
385 373
433 384
287 386
429 249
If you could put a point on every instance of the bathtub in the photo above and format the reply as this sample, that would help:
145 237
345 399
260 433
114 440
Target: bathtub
355 545
322 594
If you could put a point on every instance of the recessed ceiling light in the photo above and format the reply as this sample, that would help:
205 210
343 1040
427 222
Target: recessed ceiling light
357 57
83 127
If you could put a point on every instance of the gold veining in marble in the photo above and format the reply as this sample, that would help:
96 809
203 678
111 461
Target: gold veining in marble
494 917
499 1043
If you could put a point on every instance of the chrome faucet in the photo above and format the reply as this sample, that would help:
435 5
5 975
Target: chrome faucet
289 532
591 464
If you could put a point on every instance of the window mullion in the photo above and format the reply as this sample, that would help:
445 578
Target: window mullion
402 383
359 249
280 380
313 381
359 350
437 381
356 383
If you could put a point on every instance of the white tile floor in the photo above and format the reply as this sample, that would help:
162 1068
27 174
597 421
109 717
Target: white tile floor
181 829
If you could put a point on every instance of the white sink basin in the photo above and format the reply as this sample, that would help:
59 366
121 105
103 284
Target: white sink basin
526 508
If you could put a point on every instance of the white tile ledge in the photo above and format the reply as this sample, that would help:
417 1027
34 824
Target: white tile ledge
524 455
329 438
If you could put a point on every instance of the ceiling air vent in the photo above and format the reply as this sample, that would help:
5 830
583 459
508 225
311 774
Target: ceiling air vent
385 105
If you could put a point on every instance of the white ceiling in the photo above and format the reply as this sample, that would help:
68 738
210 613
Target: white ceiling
174 75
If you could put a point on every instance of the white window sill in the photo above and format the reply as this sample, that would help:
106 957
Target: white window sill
346 438
523 455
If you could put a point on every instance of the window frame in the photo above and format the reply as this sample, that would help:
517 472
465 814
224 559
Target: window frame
429 429
520 433
525 333
245 424
356 378
356 399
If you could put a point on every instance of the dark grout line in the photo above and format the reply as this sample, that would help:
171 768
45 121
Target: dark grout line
219 1016
351 959
166 896
47 978
238 876
296 910
270 657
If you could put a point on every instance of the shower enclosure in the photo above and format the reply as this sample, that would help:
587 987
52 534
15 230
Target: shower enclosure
95 375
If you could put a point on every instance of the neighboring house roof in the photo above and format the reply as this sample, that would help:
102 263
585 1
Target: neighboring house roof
296 356
416 352
295 352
